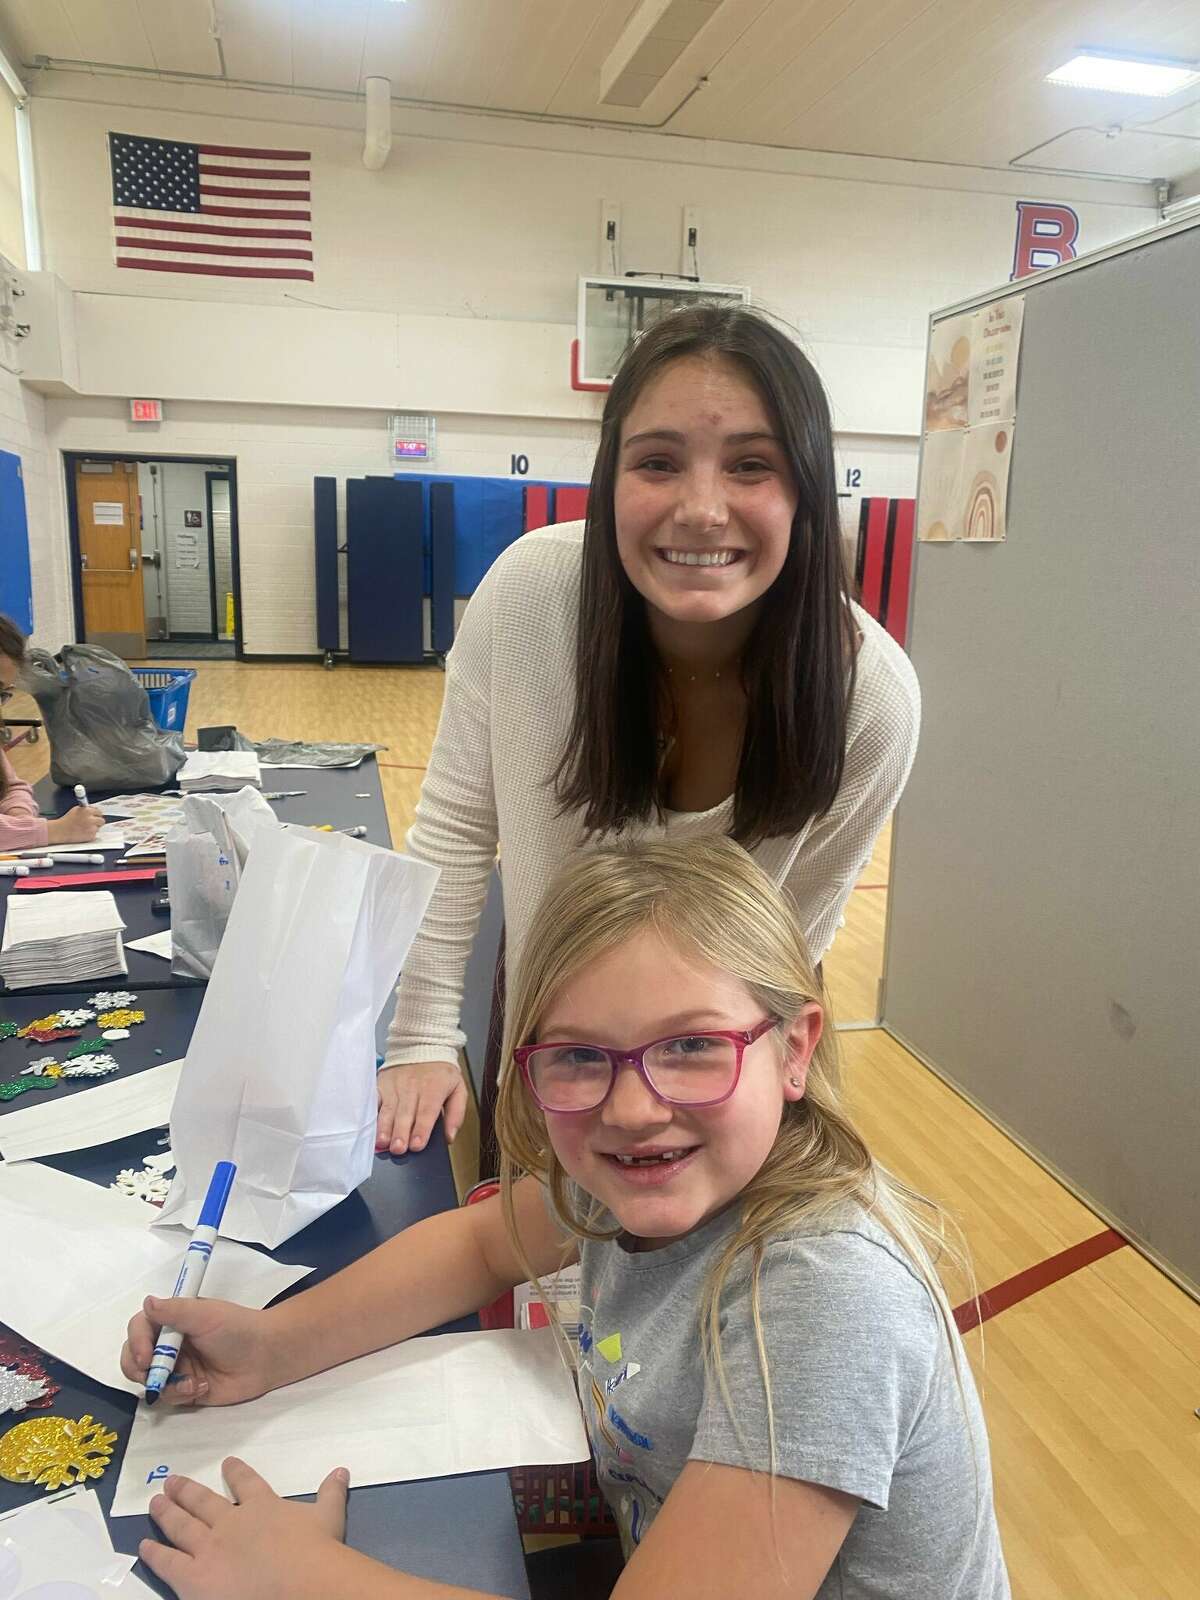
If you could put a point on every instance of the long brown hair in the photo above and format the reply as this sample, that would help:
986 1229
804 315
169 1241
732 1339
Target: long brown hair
12 645
798 665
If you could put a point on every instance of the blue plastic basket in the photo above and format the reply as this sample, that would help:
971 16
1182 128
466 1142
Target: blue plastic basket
167 689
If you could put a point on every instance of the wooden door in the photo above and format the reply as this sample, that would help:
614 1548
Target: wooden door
110 556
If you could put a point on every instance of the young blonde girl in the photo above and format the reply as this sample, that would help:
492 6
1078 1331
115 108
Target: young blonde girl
774 1390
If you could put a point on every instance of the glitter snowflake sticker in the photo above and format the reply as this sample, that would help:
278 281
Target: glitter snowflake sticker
75 1019
146 1185
109 999
17 1389
92 1066
56 1451
121 1018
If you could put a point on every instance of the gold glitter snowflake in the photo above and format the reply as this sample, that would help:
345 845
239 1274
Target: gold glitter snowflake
55 1451
120 1019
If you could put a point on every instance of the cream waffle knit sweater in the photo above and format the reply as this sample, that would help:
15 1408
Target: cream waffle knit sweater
489 784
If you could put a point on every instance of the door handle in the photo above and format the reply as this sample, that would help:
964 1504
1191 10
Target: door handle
133 561
153 557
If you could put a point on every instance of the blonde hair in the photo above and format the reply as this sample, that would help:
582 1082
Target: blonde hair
709 900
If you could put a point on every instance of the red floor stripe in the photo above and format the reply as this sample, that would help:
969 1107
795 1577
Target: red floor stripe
400 766
1013 1290
870 885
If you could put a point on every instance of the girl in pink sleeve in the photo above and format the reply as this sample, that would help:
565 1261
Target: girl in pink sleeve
20 824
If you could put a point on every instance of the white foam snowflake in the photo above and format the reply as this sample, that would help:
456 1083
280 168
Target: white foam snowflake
145 1185
96 1066
113 1034
74 1019
110 999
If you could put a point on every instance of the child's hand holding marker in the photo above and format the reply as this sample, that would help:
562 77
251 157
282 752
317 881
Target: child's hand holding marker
225 1356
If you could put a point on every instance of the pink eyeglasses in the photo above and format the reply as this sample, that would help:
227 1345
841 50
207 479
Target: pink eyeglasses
687 1069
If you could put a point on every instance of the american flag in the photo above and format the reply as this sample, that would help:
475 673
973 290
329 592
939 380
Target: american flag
214 209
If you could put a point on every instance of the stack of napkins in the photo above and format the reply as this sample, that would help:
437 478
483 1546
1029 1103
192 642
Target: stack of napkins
61 936
206 770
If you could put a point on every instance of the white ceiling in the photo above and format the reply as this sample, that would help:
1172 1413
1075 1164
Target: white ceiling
922 80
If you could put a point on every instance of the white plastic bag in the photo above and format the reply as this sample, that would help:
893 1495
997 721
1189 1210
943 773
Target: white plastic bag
205 858
280 1073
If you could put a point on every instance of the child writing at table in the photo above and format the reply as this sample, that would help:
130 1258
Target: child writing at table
775 1393
20 824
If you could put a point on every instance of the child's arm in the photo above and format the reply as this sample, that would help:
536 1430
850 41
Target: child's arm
437 1270
20 825
723 1531
736 1532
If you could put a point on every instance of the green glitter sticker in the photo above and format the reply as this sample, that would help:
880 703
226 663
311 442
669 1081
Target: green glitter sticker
10 1091
8 1030
87 1047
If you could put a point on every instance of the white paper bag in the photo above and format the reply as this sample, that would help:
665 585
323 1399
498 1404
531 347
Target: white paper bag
280 1073
205 857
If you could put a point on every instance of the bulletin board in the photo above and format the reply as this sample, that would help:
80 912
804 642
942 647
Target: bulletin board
1044 915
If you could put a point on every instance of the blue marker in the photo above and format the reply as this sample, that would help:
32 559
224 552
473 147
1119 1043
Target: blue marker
191 1276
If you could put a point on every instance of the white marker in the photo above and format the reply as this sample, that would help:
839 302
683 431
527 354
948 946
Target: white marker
81 794
13 869
70 856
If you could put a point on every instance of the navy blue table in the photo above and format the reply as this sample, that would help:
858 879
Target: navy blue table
458 1530
333 796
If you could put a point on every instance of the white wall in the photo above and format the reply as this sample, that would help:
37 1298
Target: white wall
447 282
279 450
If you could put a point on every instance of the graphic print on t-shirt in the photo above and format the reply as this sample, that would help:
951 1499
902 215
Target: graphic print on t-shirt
616 1441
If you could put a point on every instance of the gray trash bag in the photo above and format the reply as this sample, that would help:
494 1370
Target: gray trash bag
98 721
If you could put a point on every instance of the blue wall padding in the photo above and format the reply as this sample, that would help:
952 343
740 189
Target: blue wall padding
441 590
325 539
384 569
489 514
16 585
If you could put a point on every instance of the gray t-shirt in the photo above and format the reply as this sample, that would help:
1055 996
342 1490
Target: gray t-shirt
863 1388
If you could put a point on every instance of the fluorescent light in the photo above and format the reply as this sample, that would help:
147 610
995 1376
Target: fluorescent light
1098 69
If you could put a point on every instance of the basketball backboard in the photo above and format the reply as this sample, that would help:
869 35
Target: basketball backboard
613 310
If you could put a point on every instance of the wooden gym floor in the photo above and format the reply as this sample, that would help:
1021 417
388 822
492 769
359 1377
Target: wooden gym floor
1090 1371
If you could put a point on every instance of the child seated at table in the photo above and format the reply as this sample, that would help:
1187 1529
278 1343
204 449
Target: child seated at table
20 824
775 1392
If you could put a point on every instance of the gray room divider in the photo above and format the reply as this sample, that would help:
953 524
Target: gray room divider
1043 948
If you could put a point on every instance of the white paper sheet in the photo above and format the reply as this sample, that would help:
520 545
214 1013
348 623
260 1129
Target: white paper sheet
70 1521
154 944
91 1116
457 1402
79 1260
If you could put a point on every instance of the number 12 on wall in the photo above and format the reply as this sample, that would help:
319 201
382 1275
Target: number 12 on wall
854 477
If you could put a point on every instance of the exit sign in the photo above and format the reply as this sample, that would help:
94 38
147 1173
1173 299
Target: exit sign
145 410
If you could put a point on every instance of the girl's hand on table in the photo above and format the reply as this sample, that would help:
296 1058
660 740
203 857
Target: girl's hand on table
80 825
259 1548
410 1099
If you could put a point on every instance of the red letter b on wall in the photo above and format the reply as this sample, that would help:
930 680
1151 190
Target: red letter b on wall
1046 237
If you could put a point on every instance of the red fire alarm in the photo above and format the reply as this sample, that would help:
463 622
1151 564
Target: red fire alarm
145 410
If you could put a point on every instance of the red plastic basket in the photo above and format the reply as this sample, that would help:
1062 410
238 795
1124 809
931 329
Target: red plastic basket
548 1499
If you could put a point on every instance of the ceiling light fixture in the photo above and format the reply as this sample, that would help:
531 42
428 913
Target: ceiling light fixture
1117 74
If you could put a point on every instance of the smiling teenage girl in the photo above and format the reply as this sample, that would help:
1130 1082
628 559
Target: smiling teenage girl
687 664
775 1392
